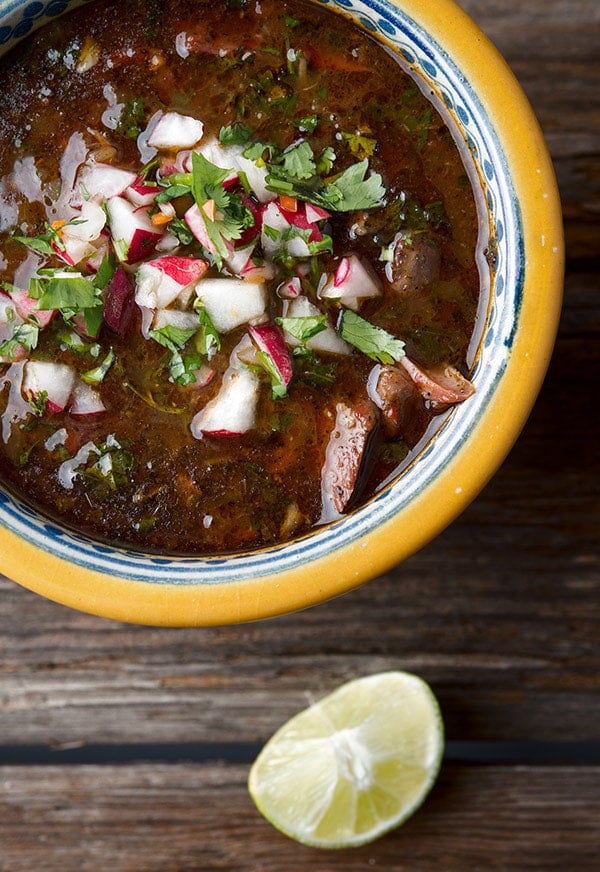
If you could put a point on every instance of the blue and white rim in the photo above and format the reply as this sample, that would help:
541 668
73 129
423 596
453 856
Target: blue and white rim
432 65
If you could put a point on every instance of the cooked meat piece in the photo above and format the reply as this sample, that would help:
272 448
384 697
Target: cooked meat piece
441 386
345 457
402 407
416 262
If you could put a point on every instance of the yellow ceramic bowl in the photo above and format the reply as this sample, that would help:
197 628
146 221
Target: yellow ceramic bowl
512 169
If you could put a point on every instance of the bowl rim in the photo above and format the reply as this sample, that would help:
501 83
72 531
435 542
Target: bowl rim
374 550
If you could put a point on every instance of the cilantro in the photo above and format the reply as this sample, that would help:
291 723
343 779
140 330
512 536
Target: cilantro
180 366
308 124
38 402
24 336
298 160
278 386
96 376
294 172
172 337
373 341
207 340
69 292
360 146
179 228
235 134
133 116
305 327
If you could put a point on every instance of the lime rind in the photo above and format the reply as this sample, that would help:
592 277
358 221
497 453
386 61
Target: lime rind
354 765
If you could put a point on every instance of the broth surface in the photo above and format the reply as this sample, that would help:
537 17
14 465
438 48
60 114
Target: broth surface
131 458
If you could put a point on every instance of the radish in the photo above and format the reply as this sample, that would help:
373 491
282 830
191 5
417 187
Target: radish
274 225
103 180
175 131
85 400
327 340
140 193
350 284
134 236
159 282
26 307
232 411
230 157
119 302
54 381
232 302
269 340
195 221
290 289
175 318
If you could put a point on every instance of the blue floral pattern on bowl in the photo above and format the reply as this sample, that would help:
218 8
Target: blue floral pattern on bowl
432 66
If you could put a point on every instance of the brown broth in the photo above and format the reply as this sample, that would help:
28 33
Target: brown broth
169 492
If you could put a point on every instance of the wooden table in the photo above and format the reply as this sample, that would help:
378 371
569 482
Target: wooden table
127 748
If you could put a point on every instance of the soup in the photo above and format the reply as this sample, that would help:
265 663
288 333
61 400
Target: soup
239 255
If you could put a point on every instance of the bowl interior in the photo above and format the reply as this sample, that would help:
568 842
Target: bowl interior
481 139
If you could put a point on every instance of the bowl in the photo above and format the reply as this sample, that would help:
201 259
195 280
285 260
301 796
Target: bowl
440 44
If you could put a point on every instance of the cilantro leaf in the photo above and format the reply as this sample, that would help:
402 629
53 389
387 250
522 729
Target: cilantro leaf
24 336
305 327
373 341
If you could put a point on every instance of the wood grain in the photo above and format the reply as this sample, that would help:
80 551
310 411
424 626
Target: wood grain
186 818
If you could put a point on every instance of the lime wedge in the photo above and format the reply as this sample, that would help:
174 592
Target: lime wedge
353 765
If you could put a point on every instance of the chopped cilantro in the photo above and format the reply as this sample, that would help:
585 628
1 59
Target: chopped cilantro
373 341
305 327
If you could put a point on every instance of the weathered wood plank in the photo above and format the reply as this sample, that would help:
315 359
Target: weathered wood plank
147 818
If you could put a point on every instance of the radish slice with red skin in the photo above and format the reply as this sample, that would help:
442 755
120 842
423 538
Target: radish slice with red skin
119 302
195 221
269 339
54 380
351 283
85 400
232 412
141 194
26 307
441 386
134 236
160 281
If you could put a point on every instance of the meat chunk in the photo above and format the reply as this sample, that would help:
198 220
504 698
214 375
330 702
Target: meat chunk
403 411
415 263
441 386
345 457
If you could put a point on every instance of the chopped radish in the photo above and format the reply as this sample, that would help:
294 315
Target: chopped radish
237 258
87 225
53 380
159 282
231 302
85 400
73 251
327 340
315 213
274 225
140 193
133 234
351 283
230 157
232 411
175 131
290 289
175 318
103 180
119 302
27 308
269 339
203 376
195 221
